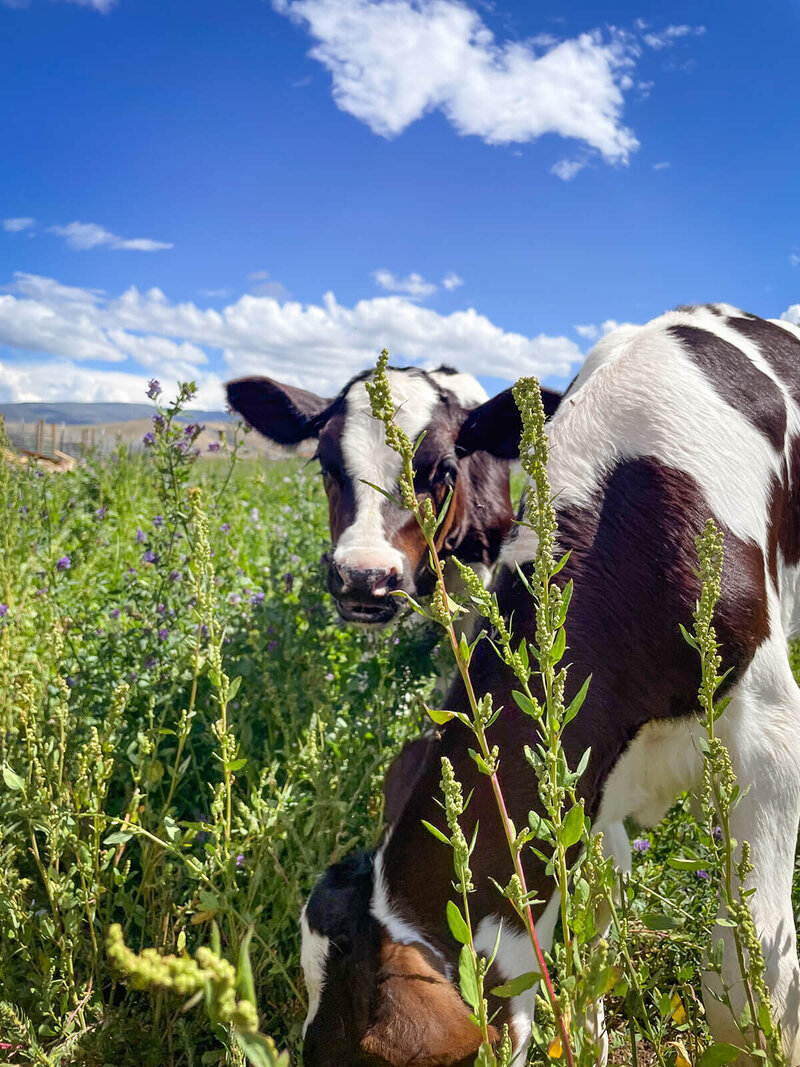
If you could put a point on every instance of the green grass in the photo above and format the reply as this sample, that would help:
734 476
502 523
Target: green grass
112 805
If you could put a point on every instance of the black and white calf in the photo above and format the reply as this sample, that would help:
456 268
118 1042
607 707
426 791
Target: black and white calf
377 547
695 415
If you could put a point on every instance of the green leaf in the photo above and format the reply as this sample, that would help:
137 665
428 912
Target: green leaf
236 764
483 766
435 831
457 923
719 1053
526 704
12 779
583 764
517 985
245 986
561 564
233 686
577 702
685 863
467 980
572 827
559 646
260 1051
439 717
653 921
119 837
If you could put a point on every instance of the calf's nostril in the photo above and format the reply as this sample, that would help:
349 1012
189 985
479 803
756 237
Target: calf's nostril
386 582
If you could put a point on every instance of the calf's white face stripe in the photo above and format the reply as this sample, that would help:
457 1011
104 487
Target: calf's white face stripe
314 950
367 458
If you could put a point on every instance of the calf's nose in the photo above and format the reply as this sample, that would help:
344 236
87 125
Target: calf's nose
364 582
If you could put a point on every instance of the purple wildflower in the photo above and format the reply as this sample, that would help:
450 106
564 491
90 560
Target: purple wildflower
641 844
272 646
149 439
150 556
132 676
214 446
64 563
150 662
163 634
234 599
203 630
256 599
225 527
240 860
158 421
329 677
161 609
158 520
101 513
702 875
188 390
115 613
141 537
716 833
154 388
174 576
71 682
132 572
3 610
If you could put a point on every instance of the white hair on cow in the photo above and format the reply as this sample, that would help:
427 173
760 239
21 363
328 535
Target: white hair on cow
314 948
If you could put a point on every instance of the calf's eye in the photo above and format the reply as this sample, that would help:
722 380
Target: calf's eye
447 471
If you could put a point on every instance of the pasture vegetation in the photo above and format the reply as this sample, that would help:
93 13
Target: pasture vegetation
188 737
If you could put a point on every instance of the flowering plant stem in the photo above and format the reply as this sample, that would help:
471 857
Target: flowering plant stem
442 612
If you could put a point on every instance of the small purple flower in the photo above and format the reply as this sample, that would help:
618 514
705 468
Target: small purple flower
702 875
234 598
64 563
161 609
24 509
132 572
158 520
149 439
188 390
716 833
641 844
132 676
71 682
272 646
141 537
256 599
3 610
214 446
150 557
153 388
101 513
158 421
240 860
163 634
396 641
203 630
329 677
174 576
115 613
149 663
225 527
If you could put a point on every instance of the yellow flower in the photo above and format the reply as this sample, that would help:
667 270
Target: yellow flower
677 1009
556 1050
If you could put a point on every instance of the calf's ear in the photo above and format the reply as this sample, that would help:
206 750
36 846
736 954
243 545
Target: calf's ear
283 413
418 1017
496 427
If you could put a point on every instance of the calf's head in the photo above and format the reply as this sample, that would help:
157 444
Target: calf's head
377 546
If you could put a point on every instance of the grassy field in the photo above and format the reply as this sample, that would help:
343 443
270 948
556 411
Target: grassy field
144 785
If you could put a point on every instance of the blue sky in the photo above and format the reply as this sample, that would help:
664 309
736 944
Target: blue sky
184 182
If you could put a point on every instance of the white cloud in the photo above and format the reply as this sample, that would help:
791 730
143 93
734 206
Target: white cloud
665 165
670 34
413 285
794 259
566 169
83 235
590 332
452 281
792 314
393 62
15 225
28 381
263 284
318 346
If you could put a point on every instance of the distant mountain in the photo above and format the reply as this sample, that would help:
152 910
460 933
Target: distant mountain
94 414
